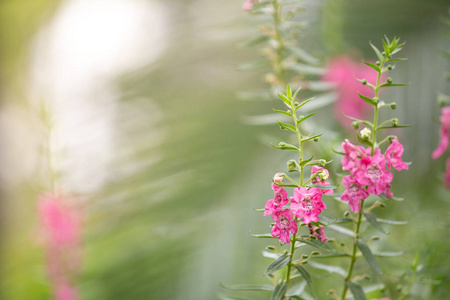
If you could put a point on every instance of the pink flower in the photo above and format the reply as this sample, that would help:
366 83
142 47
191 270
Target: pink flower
354 193
248 5
278 201
307 204
318 232
447 174
394 156
320 178
284 223
373 173
443 132
342 71
61 231
350 160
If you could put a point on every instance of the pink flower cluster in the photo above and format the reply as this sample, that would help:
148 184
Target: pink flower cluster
342 71
306 204
248 4
369 174
61 230
443 144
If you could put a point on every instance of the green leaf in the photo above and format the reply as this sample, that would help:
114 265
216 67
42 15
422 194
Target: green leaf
392 126
307 277
367 99
367 253
317 244
296 287
330 269
283 112
373 220
392 222
388 254
378 53
278 264
286 147
366 142
296 92
304 162
393 84
263 236
356 290
279 291
259 209
303 55
289 92
287 126
331 255
312 137
285 99
305 69
301 104
396 59
375 67
386 198
248 287
304 118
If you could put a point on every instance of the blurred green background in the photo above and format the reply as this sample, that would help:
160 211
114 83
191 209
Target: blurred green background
152 137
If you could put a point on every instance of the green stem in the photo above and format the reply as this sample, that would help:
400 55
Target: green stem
353 257
277 15
375 117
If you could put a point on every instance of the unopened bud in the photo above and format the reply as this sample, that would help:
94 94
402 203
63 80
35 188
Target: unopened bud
316 139
394 122
323 175
390 67
304 256
281 144
389 80
355 125
291 165
383 53
322 162
376 100
315 253
296 104
346 213
393 105
375 238
365 133
277 178
364 82
271 248
378 63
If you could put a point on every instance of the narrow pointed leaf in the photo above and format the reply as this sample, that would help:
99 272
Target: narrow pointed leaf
330 269
331 255
388 254
367 99
286 147
378 53
286 126
303 55
392 222
283 112
248 287
285 99
307 277
367 253
279 291
296 288
375 67
393 84
373 220
366 142
396 126
263 236
317 244
356 290
304 118
278 264
304 162
313 137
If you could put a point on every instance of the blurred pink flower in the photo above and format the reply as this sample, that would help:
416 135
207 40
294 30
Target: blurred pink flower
343 71
278 201
394 156
248 5
284 223
354 193
307 204
60 226
318 232
443 132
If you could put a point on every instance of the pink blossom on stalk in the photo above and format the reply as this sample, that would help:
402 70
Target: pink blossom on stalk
354 193
318 232
394 156
284 223
248 5
443 132
307 204
278 201
343 71
373 173
350 160
447 174
61 231
321 177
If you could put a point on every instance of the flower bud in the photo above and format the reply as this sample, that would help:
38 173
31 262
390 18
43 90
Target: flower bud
322 175
366 133
322 162
355 125
376 100
346 213
389 80
271 248
315 253
393 105
281 144
277 178
316 139
378 63
383 53
296 104
364 82
390 67
394 122
291 165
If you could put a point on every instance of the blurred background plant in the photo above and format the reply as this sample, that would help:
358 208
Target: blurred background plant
150 133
